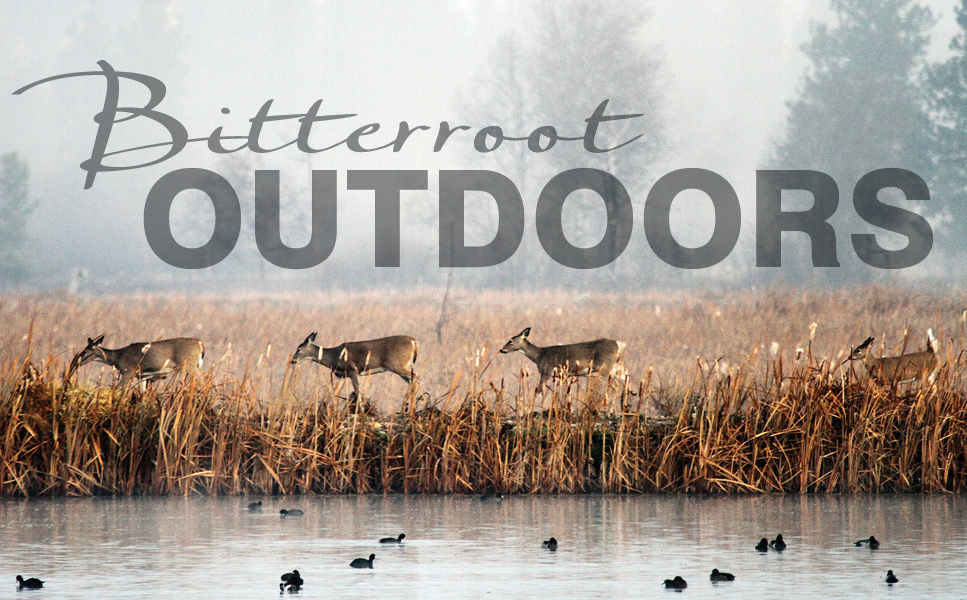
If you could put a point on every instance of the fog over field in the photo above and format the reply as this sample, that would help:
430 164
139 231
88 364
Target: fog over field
726 238
729 87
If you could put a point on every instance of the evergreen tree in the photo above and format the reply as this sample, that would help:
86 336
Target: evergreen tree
860 108
15 208
948 86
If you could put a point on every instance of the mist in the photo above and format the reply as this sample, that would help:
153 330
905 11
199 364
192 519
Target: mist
716 85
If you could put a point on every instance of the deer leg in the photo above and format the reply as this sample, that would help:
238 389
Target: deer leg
407 376
540 384
354 376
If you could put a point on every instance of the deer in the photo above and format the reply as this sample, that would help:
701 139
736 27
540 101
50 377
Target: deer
594 358
396 354
898 369
143 361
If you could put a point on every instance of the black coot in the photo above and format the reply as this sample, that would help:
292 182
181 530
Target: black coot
363 563
293 581
33 583
778 544
720 576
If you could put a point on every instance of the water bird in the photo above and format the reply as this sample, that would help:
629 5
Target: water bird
872 541
676 584
720 576
291 513
292 580
393 540
35 584
763 545
363 563
491 497
255 505
891 578
778 544
550 544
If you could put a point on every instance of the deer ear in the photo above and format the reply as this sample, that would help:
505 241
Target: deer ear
525 333
865 343
312 336
96 340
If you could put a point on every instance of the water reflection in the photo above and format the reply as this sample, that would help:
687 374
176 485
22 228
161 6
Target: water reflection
459 547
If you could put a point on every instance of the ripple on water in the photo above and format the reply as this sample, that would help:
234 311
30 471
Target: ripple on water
458 547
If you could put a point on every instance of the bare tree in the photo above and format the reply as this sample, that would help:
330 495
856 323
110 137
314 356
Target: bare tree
562 61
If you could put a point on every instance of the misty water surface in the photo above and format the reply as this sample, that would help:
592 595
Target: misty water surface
459 547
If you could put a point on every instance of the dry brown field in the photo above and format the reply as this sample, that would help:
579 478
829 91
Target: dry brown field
726 392
669 336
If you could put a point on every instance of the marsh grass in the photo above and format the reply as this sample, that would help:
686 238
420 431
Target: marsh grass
778 418
805 431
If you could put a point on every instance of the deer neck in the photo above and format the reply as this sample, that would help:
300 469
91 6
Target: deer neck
530 350
325 356
109 357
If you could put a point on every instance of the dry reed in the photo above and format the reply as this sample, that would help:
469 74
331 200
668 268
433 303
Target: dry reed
788 420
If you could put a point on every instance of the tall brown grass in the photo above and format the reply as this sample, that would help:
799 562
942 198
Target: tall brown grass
776 418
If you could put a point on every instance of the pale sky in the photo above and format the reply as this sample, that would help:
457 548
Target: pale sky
729 69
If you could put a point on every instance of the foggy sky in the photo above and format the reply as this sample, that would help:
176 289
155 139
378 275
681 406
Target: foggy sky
728 70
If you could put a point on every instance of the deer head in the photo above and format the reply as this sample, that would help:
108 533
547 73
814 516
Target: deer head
92 352
860 352
307 350
516 342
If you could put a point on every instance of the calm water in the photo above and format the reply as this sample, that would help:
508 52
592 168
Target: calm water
459 547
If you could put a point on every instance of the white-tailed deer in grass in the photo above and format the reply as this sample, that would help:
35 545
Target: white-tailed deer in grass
143 361
898 369
597 357
396 354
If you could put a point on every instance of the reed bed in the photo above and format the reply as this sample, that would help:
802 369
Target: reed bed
804 431
781 417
